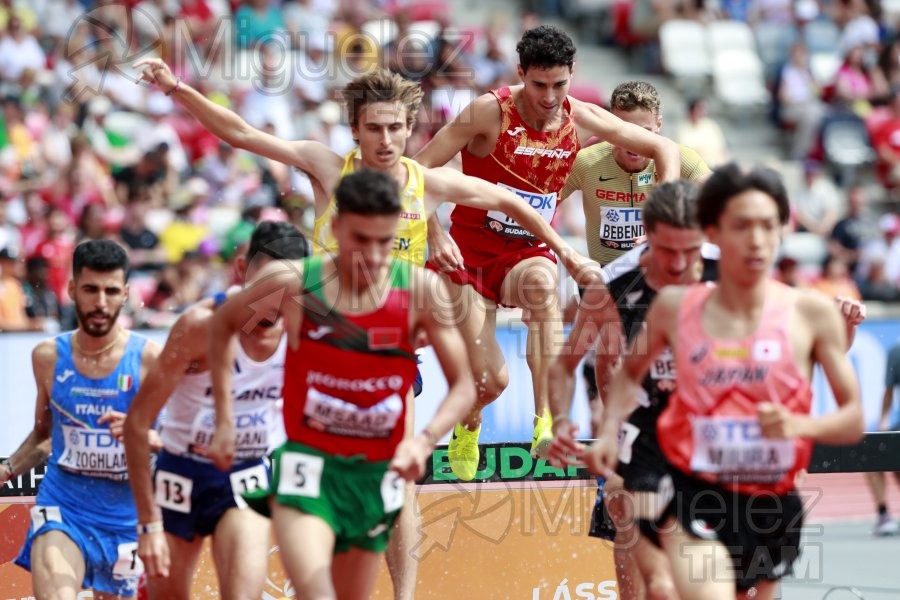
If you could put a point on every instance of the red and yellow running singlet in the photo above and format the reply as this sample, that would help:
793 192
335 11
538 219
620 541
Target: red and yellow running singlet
533 164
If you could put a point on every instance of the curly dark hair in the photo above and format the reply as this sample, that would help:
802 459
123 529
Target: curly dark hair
545 47
104 256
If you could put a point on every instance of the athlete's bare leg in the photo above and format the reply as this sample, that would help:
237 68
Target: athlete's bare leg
240 550
701 569
476 319
354 573
877 486
654 569
402 565
637 558
533 285
631 583
184 556
57 566
306 544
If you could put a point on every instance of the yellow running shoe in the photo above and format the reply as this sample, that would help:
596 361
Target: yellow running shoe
463 453
543 436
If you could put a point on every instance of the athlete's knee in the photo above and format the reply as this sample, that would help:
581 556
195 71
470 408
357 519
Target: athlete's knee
617 507
244 589
489 386
538 290
661 587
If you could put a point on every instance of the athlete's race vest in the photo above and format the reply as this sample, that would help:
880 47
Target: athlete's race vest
710 429
533 164
189 420
410 241
614 198
346 385
86 473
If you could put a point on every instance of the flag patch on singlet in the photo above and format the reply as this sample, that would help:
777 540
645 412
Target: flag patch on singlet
383 338
767 350
125 382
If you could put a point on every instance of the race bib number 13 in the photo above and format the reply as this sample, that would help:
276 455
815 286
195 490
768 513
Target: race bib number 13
173 491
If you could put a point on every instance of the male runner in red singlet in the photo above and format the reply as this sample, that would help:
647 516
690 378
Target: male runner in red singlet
737 430
381 107
523 138
351 320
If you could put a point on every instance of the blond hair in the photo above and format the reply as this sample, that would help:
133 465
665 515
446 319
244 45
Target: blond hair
381 85
633 95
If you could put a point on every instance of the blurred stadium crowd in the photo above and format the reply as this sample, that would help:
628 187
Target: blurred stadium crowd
86 153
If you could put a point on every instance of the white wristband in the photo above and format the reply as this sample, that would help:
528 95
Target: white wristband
154 527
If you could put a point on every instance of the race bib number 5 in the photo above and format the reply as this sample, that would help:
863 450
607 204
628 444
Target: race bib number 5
300 474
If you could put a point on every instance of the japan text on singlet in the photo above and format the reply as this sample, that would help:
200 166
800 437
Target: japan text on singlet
87 467
189 420
346 385
533 164
710 429
614 199
410 241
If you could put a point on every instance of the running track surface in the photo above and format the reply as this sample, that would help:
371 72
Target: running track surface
845 496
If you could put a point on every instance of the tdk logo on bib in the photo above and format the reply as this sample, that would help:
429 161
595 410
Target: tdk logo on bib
544 204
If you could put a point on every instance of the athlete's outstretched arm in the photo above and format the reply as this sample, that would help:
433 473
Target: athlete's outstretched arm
843 426
443 252
274 294
308 156
36 447
186 343
453 186
625 384
588 321
435 317
595 309
481 118
614 130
